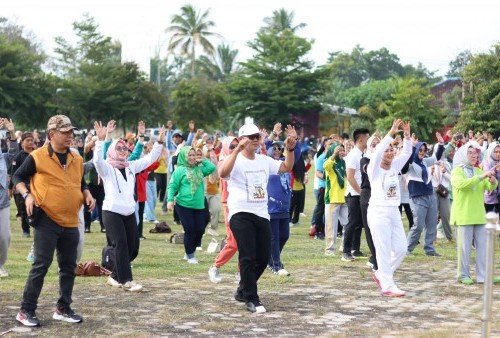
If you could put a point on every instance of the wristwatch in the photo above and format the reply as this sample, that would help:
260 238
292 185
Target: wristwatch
25 195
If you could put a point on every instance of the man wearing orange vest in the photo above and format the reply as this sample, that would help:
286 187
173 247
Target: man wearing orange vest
58 191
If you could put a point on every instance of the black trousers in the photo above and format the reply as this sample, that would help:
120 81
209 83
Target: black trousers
194 223
97 192
354 226
320 212
122 232
408 212
364 198
21 208
161 185
141 218
49 237
253 237
297 204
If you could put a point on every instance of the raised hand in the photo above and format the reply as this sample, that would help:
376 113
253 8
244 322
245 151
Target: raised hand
395 126
242 144
100 130
191 126
439 137
406 130
414 139
277 129
141 128
161 134
110 127
291 137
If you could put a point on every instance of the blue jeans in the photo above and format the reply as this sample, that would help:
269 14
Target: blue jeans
280 232
313 218
425 216
48 237
149 209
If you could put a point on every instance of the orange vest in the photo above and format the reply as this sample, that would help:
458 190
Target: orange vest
57 189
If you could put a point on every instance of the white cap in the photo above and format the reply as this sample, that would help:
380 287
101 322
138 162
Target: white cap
248 129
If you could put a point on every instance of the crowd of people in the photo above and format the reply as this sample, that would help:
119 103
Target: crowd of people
258 180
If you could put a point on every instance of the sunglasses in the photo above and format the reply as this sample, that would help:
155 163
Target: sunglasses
254 137
232 146
118 148
276 148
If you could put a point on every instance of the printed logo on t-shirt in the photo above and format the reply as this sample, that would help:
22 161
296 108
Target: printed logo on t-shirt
390 184
256 185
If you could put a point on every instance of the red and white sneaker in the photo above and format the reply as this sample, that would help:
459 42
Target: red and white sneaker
393 292
376 280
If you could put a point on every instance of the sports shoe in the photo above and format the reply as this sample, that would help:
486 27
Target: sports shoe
255 307
199 248
239 296
346 257
237 277
142 238
212 232
3 272
27 318
282 272
330 253
192 260
113 282
376 280
370 265
67 315
433 253
393 292
132 286
302 214
213 274
185 257
466 281
357 253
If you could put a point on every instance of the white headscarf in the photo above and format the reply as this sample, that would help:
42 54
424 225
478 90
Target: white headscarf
369 150
460 159
489 153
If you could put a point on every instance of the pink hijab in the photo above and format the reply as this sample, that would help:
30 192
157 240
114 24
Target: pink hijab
226 142
112 157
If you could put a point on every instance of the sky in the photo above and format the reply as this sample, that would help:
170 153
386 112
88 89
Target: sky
432 32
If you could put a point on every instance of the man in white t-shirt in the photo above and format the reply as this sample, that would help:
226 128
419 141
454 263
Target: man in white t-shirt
354 226
247 174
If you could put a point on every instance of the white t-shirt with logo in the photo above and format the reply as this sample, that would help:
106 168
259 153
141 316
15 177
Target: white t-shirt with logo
247 185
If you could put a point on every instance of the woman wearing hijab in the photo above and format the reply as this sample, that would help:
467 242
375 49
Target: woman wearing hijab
228 251
118 176
383 216
422 197
469 184
335 186
492 160
364 197
187 188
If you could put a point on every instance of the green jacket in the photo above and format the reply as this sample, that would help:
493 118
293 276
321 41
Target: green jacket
468 197
187 184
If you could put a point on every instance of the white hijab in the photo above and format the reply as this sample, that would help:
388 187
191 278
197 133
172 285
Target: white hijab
460 159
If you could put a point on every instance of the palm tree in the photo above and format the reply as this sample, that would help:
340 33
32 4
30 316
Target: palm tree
220 65
282 20
189 29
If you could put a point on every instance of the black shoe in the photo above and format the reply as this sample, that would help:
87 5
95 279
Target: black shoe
433 253
255 307
239 296
27 318
347 257
67 315
357 253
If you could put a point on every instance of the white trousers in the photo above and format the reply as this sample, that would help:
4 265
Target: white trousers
4 234
81 230
390 242
333 213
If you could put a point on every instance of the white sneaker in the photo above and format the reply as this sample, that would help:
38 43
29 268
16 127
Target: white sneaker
369 264
330 252
31 255
282 272
3 272
113 282
212 232
185 257
213 274
199 248
302 214
132 286
192 260
237 277
393 291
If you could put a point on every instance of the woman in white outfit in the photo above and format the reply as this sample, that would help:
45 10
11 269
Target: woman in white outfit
384 219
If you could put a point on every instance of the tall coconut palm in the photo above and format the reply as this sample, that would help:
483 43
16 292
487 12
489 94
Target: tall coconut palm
220 65
189 29
282 20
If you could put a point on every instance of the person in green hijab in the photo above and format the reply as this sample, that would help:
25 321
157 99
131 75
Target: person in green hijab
335 186
187 189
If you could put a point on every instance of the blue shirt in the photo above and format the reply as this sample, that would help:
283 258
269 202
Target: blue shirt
318 164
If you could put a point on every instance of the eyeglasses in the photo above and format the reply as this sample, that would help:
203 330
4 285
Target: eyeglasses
254 137
276 148
118 148
232 146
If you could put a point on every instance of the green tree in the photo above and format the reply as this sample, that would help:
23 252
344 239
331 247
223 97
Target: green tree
22 81
198 99
189 29
458 64
411 101
482 102
278 81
